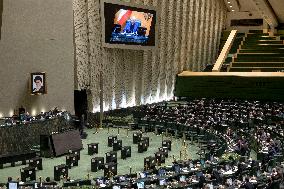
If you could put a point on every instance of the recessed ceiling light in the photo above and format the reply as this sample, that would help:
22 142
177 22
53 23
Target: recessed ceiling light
233 10
229 2
231 6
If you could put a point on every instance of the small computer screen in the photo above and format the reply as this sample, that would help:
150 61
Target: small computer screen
116 187
100 181
122 178
143 175
13 185
162 182
182 178
140 185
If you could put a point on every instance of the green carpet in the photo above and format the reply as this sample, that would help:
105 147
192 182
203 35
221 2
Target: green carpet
136 161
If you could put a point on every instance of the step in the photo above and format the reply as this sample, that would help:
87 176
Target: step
264 54
250 69
264 38
256 31
259 59
262 47
261 51
264 42
257 34
257 64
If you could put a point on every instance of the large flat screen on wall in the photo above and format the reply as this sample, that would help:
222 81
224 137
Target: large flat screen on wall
126 25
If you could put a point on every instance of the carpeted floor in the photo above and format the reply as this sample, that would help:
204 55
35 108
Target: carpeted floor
136 161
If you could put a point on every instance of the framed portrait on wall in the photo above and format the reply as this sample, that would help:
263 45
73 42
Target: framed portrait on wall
38 83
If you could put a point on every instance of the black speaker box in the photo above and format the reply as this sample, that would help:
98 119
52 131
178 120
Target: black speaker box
60 170
97 163
110 140
111 157
110 169
93 148
28 172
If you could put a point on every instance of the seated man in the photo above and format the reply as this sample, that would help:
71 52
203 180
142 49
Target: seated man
132 25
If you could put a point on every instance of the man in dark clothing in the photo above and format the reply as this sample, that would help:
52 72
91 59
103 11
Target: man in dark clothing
247 184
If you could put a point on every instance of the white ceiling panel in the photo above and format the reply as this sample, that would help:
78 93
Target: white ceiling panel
278 8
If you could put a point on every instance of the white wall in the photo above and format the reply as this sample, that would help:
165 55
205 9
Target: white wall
37 36
189 36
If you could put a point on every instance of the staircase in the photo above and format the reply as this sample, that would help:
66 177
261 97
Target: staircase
259 52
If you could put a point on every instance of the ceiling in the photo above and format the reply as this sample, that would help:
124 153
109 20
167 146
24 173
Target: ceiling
273 9
278 8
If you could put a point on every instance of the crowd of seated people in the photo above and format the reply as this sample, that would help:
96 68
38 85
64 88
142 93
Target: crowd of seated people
240 122
25 117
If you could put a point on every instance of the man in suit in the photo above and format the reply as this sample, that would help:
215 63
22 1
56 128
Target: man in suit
38 85
132 25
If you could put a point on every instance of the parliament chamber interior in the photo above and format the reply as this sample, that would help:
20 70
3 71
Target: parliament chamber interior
138 94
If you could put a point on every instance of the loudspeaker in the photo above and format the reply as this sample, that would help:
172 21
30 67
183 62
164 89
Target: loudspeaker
125 152
165 150
149 163
146 139
111 157
137 137
28 172
36 162
110 169
71 160
110 140
97 163
142 146
93 148
160 158
168 144
117 145
60 170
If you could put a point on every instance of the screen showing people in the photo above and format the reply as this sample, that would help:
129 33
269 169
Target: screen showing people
131 26
38 83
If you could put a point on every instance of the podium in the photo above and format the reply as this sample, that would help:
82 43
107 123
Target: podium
137 137
168 144
60 170
111 157
36 162
93 148
160 158
125 152
28 172
97 163
110 169
71 160
142 146
149 163
117 145
110 140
